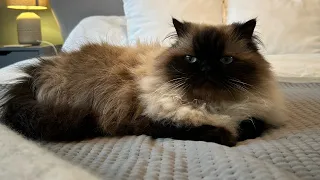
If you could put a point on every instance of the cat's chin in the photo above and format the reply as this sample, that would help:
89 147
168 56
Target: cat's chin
210 93
207 83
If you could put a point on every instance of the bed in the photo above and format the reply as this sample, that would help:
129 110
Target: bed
291 152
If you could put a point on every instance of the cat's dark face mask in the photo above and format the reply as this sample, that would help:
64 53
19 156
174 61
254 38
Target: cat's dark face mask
216 63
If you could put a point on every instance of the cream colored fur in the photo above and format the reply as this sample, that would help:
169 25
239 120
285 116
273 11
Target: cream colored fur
161 101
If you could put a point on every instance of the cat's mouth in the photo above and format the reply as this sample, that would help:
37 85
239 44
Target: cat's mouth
211 90
209 82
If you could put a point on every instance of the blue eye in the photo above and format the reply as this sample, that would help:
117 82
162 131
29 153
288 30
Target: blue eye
226 59
190 59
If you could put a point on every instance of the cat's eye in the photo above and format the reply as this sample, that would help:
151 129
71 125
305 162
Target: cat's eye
190 59
226 59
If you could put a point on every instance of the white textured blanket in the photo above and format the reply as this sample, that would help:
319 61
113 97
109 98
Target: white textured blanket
292 152
24 160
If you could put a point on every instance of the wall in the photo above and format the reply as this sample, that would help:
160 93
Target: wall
70 12
8 31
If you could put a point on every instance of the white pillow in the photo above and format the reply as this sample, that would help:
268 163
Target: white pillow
150 20
296 65
285 26
110 29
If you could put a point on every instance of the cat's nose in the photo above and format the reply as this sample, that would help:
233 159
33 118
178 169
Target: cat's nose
205 68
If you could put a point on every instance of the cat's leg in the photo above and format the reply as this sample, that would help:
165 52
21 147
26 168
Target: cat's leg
206 133
174 120
187 123
199 126
247 129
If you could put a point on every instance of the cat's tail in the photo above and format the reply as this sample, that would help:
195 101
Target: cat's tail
21 111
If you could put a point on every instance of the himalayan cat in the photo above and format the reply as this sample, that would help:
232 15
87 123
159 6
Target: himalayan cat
212 84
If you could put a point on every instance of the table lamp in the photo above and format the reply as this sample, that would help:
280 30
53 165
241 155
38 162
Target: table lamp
28 23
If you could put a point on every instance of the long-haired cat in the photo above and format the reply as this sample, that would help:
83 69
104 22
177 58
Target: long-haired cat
212 84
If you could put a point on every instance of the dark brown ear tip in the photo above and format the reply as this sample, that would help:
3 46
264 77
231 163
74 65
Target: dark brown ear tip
253 19
180 26
176 21
252 22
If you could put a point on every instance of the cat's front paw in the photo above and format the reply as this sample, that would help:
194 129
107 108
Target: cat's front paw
200 133
251 128
213 134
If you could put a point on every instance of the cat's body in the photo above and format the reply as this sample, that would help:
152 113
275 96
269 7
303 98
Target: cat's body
148 89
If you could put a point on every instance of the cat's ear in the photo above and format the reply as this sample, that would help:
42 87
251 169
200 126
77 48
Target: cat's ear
246 29
181 27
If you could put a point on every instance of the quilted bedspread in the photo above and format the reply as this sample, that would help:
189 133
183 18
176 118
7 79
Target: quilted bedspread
291 152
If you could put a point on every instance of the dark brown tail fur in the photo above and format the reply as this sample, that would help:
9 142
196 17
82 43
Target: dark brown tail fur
41 121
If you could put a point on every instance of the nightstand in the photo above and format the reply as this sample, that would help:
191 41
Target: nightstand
10 55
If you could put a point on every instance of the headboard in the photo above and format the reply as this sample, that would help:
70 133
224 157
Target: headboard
70 12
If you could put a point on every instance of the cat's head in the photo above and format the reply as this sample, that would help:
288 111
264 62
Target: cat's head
215 62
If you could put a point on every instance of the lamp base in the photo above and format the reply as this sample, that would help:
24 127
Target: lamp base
29 28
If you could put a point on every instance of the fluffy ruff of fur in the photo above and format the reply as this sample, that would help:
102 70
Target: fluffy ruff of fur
104 90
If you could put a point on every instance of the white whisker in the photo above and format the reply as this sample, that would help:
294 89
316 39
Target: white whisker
227 88
239 87
175 86
253 123
241 82
168 83
244 85
178 70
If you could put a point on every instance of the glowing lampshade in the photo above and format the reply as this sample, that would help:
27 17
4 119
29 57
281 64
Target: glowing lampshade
27 4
